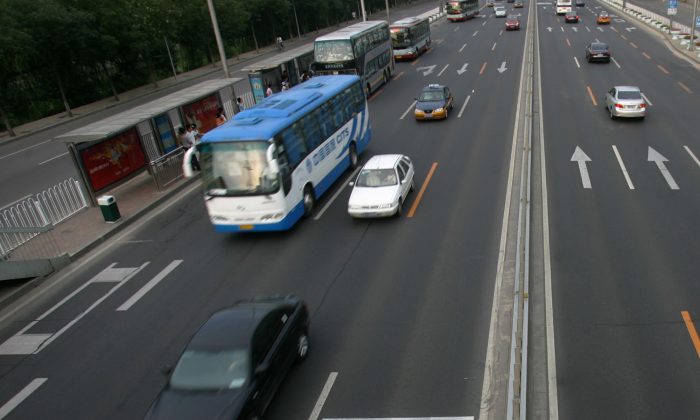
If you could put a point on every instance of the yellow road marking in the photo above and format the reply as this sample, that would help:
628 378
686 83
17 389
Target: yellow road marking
398 75
567 42
662 69
692 331
646 55
483 66
633 45
590 93
422 190
685 88
375 94
416 61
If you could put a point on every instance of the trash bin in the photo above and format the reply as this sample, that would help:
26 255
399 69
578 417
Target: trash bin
109 208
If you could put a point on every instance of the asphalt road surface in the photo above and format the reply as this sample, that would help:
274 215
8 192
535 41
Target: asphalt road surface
401 307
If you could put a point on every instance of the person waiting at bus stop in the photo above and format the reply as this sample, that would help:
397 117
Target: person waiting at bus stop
187 139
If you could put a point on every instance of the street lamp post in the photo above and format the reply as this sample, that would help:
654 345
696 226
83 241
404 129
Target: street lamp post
296 20
217 35
364 14
387 10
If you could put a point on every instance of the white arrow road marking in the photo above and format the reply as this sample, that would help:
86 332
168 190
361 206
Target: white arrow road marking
408 110
324 394
624 169
427 69
615 61
461 111
575 29
21 396
692 155
463 69
148 286
581 158
630 29
577 64
443 69
502 68
659 159
600 29
463 46
549 28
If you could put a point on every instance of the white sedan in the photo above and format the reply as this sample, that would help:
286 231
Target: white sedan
499 11
381 186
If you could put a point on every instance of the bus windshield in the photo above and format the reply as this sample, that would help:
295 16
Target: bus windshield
456 7
332 51
236 168
400 38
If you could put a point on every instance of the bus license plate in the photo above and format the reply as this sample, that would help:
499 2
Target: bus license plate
245 227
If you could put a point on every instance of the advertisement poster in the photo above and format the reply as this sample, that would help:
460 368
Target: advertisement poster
202 113
113 160
165 132
256 84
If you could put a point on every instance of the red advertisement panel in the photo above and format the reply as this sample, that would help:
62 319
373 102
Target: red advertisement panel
202 113
113 159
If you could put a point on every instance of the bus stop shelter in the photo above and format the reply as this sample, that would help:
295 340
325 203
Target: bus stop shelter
271 70
112 151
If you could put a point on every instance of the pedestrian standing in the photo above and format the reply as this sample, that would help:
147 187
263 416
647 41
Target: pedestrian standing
220 116
187 140
268 92
239 102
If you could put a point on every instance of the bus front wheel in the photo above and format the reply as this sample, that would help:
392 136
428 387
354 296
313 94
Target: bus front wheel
309 200
352 152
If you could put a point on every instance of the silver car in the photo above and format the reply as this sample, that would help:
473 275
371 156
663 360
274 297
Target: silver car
625 101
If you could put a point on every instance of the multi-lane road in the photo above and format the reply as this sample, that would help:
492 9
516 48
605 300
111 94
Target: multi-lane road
401 308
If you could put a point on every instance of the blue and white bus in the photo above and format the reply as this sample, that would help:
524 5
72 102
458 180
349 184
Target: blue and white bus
264 169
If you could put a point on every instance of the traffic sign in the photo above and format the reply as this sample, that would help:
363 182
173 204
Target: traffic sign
672 4
672 11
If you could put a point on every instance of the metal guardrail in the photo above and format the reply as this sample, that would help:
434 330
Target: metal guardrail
62 201
167 168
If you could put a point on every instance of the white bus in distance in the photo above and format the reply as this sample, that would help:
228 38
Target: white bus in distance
564 6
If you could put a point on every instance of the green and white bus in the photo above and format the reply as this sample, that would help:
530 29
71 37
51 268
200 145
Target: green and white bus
410 37
363 49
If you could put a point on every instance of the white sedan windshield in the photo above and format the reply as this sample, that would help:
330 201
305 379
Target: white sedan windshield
377 178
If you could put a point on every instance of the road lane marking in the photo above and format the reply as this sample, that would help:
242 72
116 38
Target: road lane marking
337 193
25 149
648 57
646 99
423 187
463 47
416 61
456 29
476 32
484 24
692 155
148 286
324 394
375 94
624 169
588 29
61 155
633 45
692 331
590 93
580 157
21 396
662 68
443 69
562 28
483 66
623 37
461 111
494 46
500 33
409 109
401 418
613 28
685 88
567 42
399 75
615 61
577 64
659 159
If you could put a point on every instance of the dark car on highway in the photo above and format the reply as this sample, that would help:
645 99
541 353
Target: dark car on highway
597 51
512 23
571 17
235 362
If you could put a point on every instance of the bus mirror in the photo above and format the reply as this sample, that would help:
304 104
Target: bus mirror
274 169
187 163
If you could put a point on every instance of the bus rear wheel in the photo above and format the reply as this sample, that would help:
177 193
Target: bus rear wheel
352 153
309 200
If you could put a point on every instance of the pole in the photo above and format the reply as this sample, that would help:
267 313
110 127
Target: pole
217 35
387 10
171 58
691 45
296 20
364 14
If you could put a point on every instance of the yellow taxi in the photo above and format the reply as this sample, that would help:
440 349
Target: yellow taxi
433 103
603 18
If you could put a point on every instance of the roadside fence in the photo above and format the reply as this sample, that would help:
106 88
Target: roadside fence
167 168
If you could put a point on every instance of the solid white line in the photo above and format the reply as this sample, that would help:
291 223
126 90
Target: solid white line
588 29
22 150
463 46
461 111
408 110
88 310
692 155
337 193
148 286
647 100
500 33
443 69
615 61
548 302
21 396
55 157
494 46
324 394
622 166
562 28
476 32
456 29
577 64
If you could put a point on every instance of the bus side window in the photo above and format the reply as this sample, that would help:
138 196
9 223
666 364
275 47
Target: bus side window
324 116
294 144
285 170
312 131
339 112
349 102
359 97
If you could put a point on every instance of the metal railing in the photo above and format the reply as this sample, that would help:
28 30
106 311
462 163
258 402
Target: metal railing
62 201
167 168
